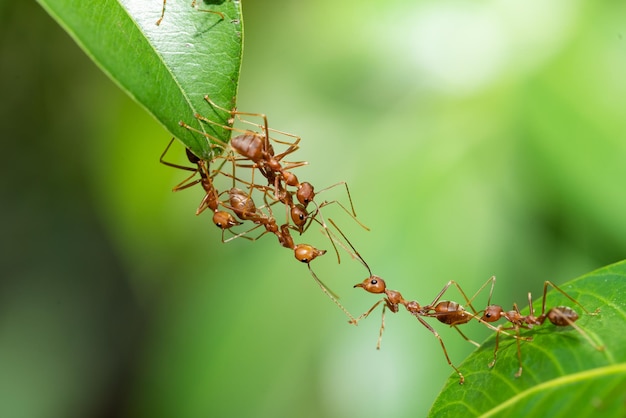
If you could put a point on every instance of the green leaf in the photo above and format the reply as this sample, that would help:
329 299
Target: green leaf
169 68
563 374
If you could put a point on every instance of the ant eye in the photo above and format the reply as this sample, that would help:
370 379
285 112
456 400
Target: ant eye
373 281
218 224
305 260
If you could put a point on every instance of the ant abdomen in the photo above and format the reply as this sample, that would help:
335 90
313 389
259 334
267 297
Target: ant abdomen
562 316
451 313
249 145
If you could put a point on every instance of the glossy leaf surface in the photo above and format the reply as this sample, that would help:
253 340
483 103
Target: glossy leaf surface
167 68
563 374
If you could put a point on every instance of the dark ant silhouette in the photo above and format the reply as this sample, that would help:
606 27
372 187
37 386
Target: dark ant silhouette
560 316
193 4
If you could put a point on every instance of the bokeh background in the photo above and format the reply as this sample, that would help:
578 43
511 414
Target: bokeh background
477 139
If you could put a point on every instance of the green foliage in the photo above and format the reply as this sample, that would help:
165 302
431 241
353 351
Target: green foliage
564 375
516 176
168 68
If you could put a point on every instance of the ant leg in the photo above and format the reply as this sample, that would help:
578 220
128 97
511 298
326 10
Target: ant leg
158 22
193 4
347 191
214 142
234 112
465 336
519 355
495 350
366 314
329 234
445 352
182 167
331 295
242 235
519 350
382 327
445 288
327 203
500 330
185 183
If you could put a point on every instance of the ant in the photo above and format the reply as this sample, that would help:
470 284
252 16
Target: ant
221 219
560 316
193 4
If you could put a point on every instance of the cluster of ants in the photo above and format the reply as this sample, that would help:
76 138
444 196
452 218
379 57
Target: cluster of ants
253 149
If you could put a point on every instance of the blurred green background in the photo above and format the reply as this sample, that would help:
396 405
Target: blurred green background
477 139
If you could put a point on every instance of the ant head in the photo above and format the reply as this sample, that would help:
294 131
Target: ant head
224 220
307 253
299 216
492 313
372 284
305 193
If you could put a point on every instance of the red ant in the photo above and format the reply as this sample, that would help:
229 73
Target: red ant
560 316
193 4
221 219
